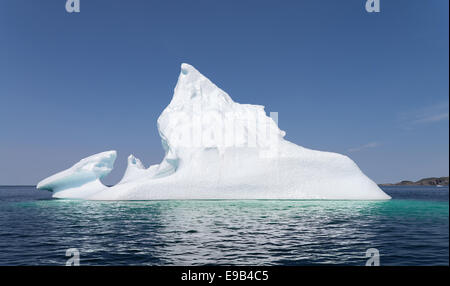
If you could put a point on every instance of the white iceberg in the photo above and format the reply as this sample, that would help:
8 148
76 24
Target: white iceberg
216 148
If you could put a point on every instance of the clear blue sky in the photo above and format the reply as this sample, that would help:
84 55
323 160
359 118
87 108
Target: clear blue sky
372 86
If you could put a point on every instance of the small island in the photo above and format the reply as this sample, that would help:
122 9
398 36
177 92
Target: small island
434 181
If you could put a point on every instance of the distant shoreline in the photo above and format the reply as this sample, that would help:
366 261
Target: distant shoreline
434 181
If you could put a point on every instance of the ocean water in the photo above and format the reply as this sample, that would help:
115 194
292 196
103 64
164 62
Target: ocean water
410 229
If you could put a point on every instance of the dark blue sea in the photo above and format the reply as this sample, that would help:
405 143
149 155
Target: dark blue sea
410 229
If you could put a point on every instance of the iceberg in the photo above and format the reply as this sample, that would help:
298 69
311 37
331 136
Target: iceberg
216 148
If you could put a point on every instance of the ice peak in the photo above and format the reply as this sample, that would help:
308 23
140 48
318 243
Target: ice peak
186 68
133 161
190 74
192 86
135 168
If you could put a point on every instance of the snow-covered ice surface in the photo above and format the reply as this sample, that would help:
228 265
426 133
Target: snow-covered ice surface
216 148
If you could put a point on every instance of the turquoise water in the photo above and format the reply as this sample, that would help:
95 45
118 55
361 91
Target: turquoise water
410 229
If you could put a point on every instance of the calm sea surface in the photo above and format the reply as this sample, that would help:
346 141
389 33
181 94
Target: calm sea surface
410 229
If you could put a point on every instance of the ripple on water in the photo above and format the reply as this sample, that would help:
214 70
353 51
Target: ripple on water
406 232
